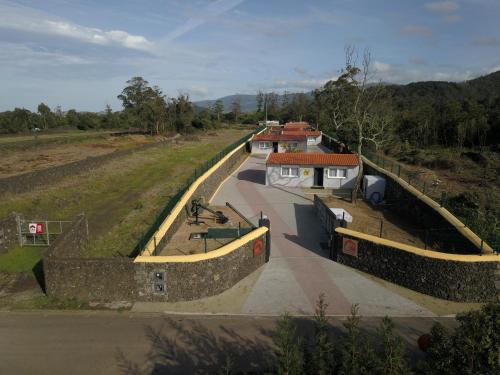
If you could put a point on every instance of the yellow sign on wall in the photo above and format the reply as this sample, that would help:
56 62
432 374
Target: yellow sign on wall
306 172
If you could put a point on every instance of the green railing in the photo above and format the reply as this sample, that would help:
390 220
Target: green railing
200 170
486 226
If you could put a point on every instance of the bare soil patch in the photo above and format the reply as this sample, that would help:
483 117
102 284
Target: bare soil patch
181 244
377 219
31 159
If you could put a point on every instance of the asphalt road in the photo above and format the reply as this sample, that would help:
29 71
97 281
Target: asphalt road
125 343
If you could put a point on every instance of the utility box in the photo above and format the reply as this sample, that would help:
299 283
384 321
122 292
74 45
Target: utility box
374 188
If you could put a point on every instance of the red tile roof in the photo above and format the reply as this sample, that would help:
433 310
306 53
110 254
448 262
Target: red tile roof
279 137
302 158
292 127
311 133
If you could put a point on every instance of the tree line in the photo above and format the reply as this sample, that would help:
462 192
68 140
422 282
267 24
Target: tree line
145 107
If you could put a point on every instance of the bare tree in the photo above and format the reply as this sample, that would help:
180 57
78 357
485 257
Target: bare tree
355 103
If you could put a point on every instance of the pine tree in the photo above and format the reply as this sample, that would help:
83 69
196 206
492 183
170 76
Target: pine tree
288 351
393 360
323 358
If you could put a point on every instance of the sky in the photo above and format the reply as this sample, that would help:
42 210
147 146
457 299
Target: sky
79 54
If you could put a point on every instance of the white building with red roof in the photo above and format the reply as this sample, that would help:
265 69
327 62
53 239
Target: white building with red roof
272 142
335 171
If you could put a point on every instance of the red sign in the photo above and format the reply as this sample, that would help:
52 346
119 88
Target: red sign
39 228
350 247
257 247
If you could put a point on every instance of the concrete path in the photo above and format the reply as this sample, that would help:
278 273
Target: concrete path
299 270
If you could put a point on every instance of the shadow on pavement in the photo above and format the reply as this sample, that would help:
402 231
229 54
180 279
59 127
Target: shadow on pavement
182 347
257 176
310 233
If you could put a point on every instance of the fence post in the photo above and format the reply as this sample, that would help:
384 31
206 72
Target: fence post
424 188
399 170
481 252
443 197
381 227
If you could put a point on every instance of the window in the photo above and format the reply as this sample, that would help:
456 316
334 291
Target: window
337 173
294 145
289 172
263 145
311 139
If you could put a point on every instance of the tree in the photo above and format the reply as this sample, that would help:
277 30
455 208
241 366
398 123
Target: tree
236 108
288 348
46 118
357 354
147 105
393 361
218 109
355 102
323 357
260 100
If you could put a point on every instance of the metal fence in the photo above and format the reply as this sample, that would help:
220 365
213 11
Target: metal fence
200 170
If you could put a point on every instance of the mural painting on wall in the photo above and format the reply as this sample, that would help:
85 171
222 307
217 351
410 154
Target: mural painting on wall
350 247
258 246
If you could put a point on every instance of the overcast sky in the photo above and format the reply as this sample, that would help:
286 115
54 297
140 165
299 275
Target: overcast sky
79 54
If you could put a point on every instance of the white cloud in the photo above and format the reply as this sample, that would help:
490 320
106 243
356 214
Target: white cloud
417 30
32 21
442 6
380 67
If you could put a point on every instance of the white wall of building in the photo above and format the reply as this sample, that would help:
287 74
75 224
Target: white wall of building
256 149
314 140
306 177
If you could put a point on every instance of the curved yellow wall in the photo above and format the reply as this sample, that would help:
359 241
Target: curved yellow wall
418 251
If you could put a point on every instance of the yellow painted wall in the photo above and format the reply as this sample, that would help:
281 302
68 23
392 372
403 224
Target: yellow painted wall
418 251
224 250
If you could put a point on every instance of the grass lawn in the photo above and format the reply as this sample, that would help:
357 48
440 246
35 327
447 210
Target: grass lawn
123 197
20 259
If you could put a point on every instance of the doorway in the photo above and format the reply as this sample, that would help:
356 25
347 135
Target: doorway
318 177
275 146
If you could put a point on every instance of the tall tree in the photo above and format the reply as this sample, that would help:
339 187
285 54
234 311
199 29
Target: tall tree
260 100
236 108
46 118
218 109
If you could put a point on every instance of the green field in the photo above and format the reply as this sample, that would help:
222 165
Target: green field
121 199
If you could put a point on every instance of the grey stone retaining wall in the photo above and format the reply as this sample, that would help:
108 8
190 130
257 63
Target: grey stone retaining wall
73 240
441 233
120 279
9 236
451 280
45 177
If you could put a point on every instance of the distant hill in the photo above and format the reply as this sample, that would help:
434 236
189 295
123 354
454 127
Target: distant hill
248 102
482 88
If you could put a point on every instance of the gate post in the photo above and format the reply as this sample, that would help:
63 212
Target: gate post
265 222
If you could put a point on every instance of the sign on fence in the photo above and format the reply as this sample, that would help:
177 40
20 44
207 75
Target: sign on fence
36 228
350 247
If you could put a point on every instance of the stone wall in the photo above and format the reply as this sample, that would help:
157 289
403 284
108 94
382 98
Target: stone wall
45 177
120 279
73 240
441 233
185 281
9 236
463 281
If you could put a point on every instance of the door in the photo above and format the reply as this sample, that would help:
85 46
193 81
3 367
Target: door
275 146
318 176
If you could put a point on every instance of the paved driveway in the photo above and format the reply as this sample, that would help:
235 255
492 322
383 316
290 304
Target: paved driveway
299 270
